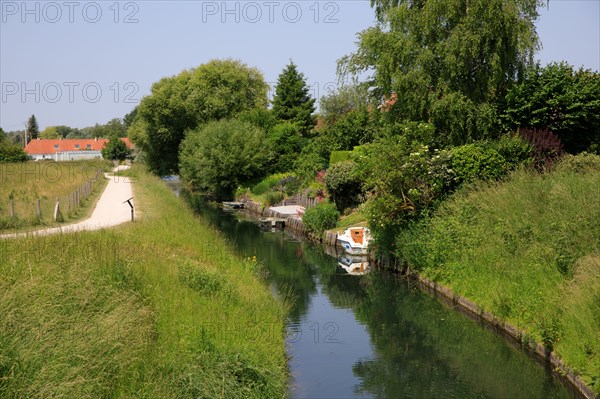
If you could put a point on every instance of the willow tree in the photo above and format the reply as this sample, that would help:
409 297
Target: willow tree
448 61
215 90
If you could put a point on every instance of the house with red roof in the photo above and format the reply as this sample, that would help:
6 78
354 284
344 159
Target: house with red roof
68 149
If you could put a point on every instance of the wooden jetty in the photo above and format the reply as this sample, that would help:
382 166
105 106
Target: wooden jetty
273 223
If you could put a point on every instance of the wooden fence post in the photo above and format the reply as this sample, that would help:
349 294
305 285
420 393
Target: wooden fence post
12 210
56 209
39 209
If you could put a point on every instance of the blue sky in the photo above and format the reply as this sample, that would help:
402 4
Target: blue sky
78 63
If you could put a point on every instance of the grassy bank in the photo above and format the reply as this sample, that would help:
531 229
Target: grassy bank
527 250
25 183
159 308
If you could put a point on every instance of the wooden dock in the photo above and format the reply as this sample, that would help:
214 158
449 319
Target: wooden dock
273 223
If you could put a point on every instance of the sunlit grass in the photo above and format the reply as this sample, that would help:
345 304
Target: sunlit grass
159 308
26 182
527 250
356 218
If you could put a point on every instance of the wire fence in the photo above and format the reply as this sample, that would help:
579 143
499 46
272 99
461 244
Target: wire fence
17 213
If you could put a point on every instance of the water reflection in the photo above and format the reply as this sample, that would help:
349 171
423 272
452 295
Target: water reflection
354 265
375 336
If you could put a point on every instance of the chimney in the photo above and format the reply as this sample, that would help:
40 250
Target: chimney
96 138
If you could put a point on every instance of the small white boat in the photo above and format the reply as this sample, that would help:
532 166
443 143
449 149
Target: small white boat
356 266
355 240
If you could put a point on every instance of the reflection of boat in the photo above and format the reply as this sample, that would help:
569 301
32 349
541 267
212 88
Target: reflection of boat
355 265
233 205
355 240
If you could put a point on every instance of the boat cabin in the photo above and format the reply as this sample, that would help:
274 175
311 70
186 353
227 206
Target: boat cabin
357 235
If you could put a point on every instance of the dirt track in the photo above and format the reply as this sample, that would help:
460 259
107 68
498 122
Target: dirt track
109 211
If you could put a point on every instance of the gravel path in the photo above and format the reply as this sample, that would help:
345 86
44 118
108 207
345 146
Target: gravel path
110 210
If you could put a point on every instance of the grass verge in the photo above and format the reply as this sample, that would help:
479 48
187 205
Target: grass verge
527 250
159 308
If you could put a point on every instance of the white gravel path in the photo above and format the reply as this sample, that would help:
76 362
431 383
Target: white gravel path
109 211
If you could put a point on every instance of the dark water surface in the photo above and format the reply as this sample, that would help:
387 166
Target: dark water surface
375 336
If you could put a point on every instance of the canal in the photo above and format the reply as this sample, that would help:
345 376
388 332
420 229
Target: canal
376 336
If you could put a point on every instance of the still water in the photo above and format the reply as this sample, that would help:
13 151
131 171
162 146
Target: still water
375 336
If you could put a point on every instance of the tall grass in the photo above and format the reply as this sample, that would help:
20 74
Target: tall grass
27 182
528 250
160 308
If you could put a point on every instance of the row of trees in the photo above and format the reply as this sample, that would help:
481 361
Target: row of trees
212 125
448 80
115 127
11 144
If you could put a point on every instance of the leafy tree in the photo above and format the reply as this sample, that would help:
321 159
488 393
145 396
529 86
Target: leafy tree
32 128
343 184
51 132
292 101
350 129
447 61
349 98
68 132
130 117
260 117
115 127
221 155
115 149
313 158
286 143
11 152
561 99
212 91
95 131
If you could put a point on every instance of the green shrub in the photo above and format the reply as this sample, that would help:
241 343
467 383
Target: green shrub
343 184
316 189
269 182
241 192
290 184
321 217
220 156
339 156
580 163
262 187
420 132
286 142
273 198
514 149
308 164
12 153
471 161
